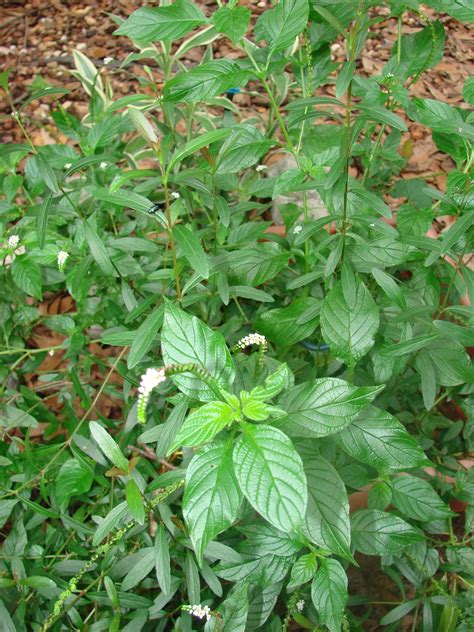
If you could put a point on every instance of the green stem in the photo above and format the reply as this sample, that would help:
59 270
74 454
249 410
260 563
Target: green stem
171 236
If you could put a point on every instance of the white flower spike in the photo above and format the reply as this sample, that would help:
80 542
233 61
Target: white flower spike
297 229
252 339
300 605
108 60
13 241
149 380
103 165
68 165
62 258
260 168
175 195
199 611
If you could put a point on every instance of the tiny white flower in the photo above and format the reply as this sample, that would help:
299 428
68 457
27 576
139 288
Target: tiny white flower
297 229
252 339
261 168
199 611
372 225
300 605
108 60
389 75
51 352
62 258
175 195
68 165
13 241
103 165
148 381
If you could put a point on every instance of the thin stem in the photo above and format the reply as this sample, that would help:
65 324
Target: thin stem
170 235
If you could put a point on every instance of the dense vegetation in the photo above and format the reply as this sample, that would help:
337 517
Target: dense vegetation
278 370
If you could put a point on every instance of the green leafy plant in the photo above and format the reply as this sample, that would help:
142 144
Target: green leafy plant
304 394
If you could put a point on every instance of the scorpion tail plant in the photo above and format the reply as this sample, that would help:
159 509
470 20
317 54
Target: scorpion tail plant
194 402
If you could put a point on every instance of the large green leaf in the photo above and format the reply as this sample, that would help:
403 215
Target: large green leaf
108 446
184 339
163 23
211 496
232 22
270 474
242 149
27 275
380 440
98 250
234 609
205 81
144 336
303 570
203 424
197 143
329 593
349 324
323 407
327 516
74 478
416 499
281 25
380 533
282 326
192 249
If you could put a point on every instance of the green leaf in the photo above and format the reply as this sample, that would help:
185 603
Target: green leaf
203 424
135 501
281 25
144 336
108 446
234 609
192 250
169 22
273 384
380 114
46 173
162 560
98 250
399 612
281 325
270 474
184 339
349 328
327 521
211 496
380 533
344 77
416 499
303 570
27 275
380 440
232 22
204 140
390 287
123 198
7 622
205 81
427 373
242 149
112 520
73 479
323 407
329 593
